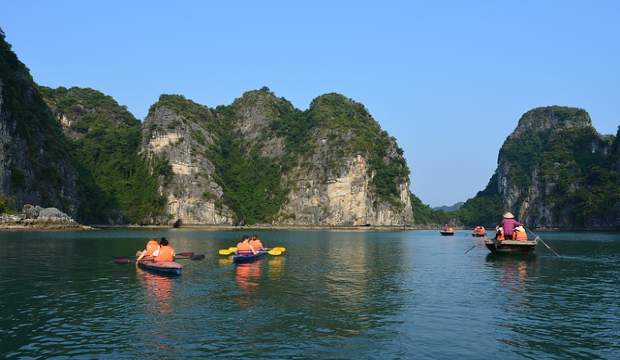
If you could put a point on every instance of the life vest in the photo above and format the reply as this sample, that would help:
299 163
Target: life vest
244 247
500 234
519 235
151 246
256 244
166 253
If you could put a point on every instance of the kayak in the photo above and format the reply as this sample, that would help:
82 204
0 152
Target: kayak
239 259
162 268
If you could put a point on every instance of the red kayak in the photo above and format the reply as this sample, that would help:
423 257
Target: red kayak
163 268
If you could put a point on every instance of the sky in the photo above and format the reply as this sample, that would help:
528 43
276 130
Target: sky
448 79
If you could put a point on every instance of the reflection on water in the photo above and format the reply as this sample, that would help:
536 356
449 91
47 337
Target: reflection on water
275 267
332 295
513 269
158 291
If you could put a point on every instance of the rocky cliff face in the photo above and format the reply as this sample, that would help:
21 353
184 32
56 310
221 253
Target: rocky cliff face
177 130
35 164
260 160
352 172
555 170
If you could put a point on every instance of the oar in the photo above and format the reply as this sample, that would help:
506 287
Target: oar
544 243
471 248
192 257
275 251
122 260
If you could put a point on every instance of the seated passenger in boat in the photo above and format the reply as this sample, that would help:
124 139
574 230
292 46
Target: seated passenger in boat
151 246
256 244
499 235
520 234
244 247
165 253
508 224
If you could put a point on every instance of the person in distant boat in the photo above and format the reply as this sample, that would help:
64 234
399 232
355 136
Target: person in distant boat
256 244
165 253
151 246
507 226
245 247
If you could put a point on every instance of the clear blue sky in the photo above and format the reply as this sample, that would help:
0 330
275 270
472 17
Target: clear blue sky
449 79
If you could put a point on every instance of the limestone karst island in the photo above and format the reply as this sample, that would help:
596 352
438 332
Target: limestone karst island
291 181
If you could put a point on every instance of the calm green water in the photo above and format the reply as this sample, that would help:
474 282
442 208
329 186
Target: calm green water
333 295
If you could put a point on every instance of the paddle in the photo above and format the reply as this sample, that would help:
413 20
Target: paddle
122 260
543 242
471 248
275 251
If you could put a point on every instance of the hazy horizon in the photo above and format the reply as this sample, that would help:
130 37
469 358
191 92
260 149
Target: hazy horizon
449 80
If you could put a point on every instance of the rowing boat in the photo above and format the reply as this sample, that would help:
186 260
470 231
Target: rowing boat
511 246
162 268
243 258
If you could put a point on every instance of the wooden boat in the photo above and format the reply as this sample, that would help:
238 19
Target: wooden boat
161 268
511 246
243 258
447 231
479 231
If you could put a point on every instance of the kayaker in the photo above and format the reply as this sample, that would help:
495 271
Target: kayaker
508 224
151 247
165 252
256 243
245 247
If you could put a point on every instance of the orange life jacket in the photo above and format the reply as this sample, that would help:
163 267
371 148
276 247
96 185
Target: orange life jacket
151 246
256 244
244 246
520 235
500 235
166 253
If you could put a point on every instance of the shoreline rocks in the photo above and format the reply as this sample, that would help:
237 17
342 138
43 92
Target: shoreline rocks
39 218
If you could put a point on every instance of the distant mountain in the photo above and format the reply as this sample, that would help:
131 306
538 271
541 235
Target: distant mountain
450 208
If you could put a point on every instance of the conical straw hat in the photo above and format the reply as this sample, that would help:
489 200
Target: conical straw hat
508 215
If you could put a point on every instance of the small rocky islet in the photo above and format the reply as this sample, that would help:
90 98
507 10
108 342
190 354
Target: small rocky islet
260 160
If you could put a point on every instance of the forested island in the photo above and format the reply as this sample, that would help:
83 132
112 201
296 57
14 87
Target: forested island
260 160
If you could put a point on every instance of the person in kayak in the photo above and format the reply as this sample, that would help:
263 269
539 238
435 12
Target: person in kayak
256 244
244 247
151 246
508 224
165 253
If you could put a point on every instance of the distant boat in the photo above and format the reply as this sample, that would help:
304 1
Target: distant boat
479 231
511 246
447 231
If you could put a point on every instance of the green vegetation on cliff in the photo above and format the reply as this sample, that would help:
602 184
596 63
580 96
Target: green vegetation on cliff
557 162
252 183
483 209
105 140
36 148
424 215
